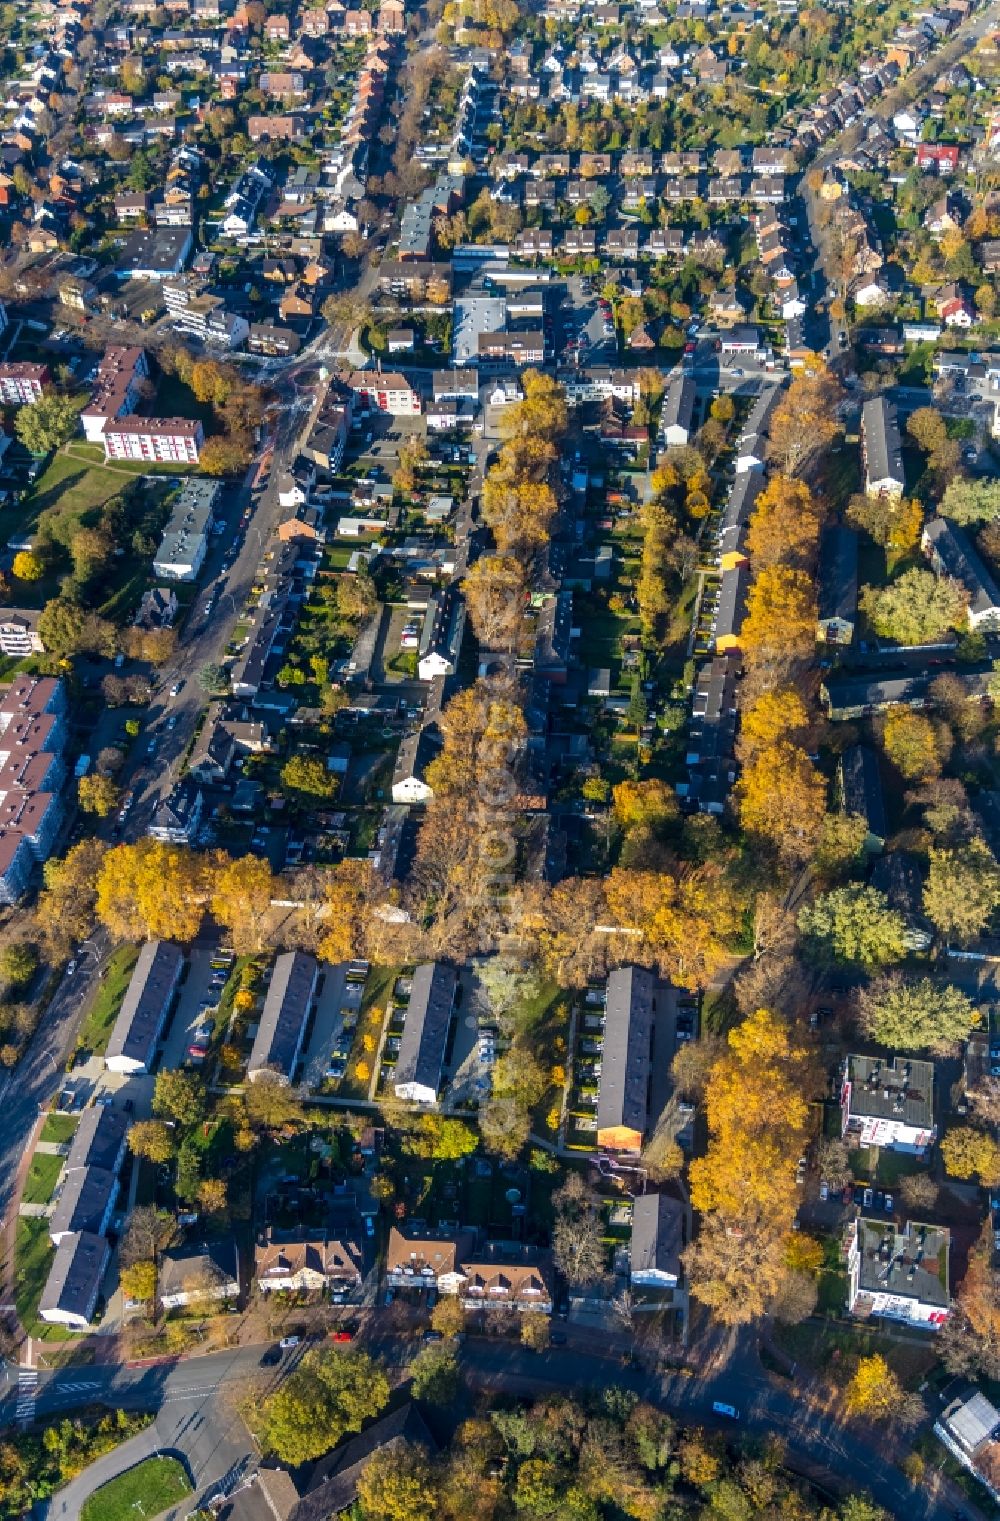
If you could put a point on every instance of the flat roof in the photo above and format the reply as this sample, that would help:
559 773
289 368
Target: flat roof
910 1262
892 1088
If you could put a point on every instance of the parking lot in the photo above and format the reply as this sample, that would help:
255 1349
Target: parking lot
328 1022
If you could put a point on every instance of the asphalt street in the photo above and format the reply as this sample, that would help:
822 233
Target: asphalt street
204 1393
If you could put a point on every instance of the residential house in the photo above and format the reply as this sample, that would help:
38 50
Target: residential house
144 1008
952 554
658 1239
189 1274
177 817
626 1061
881 449
899 1272
73 1286
678 411
281 1031
861 793
292 1261
838 584
420 1064
888 1102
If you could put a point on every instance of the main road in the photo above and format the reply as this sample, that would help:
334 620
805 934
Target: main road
206 1391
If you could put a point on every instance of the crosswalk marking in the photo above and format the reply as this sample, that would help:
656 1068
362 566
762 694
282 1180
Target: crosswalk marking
27 1388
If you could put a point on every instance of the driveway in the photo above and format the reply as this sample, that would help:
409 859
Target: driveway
194 989
327 1025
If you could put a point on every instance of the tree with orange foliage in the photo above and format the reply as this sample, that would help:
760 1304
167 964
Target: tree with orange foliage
757 1103
777 715
785 524
780 624
684 922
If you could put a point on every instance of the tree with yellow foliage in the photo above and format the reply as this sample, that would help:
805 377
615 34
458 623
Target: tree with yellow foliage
151 891
782 800
350 888
651 803
805 420
785 524
876 1394
242 890
780 624
775 716
684 922
542 414
917 745
757 1107
494 589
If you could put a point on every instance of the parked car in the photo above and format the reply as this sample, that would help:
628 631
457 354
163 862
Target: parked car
288 1342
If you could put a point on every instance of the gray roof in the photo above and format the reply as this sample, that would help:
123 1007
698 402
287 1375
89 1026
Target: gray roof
99 1138
425 1030
141 1015
678 404
628 1039
973 1422
333 1484
83 1200
209 1263
862 788
739 504
891 1088
909 1261
732 609
838 574
657 1234
959 559
286 1009
189 521
75 1276
883 449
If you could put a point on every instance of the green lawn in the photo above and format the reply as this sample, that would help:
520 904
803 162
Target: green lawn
33 1254
146 1490
99 1023
42 1177
58 1128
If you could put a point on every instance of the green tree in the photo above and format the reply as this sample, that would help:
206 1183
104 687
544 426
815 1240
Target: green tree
47 423
211 678
916 1014
330 1394
18 963
179 1095
917 608
306 780
962 890
967 501
434 1372
854 924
